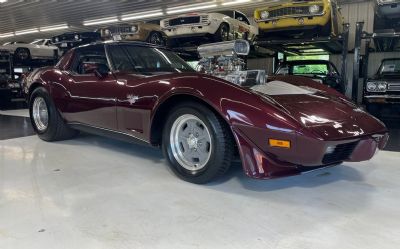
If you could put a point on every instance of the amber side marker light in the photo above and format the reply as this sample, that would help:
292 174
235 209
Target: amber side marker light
279 143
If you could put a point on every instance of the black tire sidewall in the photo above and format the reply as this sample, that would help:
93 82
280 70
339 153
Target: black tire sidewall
50 131
18 51
218 35
212 167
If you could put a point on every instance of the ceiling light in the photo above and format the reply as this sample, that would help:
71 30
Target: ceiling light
53 27
6 35
100 21
26 31
235 2
192 7
141 15
3 1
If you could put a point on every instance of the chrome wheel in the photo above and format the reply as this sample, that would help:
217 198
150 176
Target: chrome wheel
190 142
224 33
40 113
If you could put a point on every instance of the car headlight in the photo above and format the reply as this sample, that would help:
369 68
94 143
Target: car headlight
371 86
313 9
134 28
376 86
107 32
76 37
382 86
264 14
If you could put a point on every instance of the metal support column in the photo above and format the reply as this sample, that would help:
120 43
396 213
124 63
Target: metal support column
346 28
356 65
366 61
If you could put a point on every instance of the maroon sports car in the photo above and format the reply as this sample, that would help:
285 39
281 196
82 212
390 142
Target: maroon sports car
140 92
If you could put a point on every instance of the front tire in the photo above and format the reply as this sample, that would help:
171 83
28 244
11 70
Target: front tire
22 54
197 143
222 33
45 118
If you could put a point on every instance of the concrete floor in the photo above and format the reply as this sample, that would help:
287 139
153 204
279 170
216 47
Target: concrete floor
97 193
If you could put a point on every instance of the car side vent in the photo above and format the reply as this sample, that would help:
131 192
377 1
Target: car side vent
340 153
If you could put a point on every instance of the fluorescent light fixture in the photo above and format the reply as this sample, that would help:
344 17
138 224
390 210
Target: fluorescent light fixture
6 35
54 27
141 15
26 31
100 21
192 7
3 1
235 2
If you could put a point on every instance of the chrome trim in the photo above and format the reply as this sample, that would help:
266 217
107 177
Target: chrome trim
289 16
109 130
386 96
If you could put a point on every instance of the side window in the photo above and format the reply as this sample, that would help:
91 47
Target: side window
283 71
87 59
241 17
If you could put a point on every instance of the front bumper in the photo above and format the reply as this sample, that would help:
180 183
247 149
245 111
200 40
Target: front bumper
295 22
264 162
382 99
190 30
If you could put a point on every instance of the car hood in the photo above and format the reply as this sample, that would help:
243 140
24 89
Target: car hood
329 116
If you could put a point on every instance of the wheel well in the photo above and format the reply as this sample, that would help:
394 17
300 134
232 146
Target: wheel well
32 88
160 117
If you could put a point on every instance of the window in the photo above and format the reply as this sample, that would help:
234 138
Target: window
89 55
241 17
391 66
226 12
283 71
146 60
314 69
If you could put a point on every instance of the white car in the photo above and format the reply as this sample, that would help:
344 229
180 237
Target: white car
38 49
220 26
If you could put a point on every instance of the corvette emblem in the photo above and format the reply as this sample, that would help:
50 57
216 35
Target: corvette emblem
132 99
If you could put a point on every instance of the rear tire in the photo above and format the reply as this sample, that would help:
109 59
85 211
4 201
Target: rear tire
156 38
45 118
196 143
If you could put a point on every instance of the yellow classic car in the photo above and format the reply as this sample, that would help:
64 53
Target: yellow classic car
298 17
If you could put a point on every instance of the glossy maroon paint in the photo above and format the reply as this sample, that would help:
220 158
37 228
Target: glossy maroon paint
312 122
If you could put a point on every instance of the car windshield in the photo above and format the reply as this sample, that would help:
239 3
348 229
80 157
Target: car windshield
310 69
146 60
391 66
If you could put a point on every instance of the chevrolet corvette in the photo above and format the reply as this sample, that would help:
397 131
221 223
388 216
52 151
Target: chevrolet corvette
141 92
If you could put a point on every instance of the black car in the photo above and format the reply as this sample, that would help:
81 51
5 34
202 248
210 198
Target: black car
70 40
384 88
322 71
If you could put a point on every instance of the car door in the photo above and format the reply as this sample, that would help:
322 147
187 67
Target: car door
92 99
136 94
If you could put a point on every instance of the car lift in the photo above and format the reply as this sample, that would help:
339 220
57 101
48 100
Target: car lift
380 38
8 65
312 46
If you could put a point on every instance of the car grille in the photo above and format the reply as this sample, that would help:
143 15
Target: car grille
121 29
341 153
203 20
289 11
393 87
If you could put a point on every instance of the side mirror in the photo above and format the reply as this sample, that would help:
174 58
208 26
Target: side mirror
101 71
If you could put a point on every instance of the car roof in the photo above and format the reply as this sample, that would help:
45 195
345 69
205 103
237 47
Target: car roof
137 43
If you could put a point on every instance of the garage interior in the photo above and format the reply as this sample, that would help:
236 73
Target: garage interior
96 192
